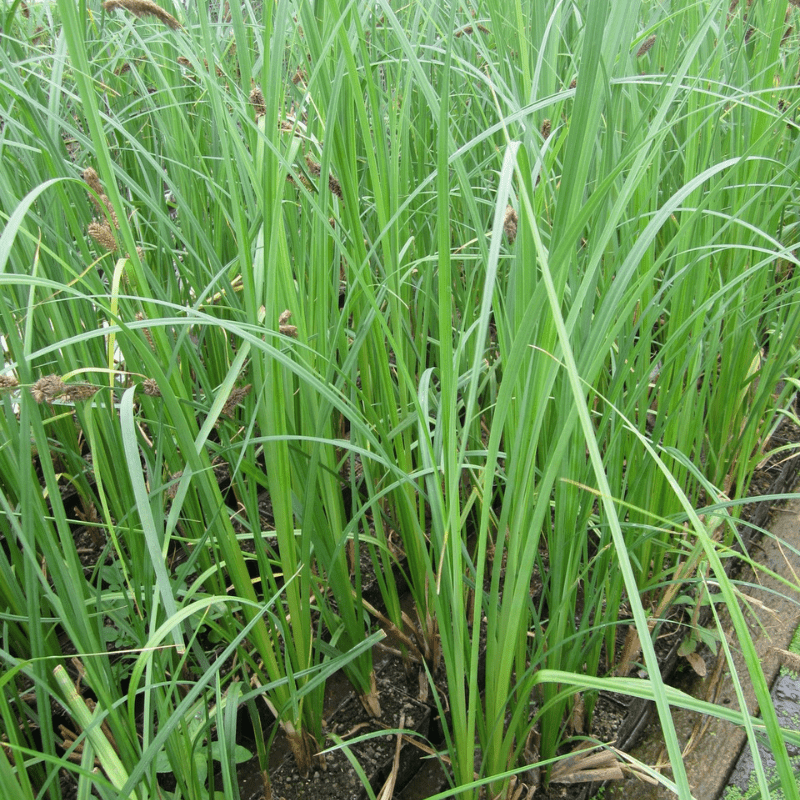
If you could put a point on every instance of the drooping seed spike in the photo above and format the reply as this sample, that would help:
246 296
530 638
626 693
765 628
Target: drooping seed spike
143 8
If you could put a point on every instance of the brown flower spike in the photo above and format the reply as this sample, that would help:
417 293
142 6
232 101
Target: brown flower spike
238 393
91 177
335 187
258 102
104 204
510 224
143 8
150 388
283 324
646 45
146 331
313 167
76 392
103 235
46 389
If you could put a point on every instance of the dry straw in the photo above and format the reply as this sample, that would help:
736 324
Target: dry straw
143 8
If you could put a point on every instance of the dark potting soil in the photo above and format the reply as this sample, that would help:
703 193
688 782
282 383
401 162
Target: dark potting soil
375 755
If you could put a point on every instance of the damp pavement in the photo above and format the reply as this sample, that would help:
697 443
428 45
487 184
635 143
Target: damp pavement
718 764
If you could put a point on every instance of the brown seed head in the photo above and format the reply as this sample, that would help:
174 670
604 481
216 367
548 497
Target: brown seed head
258 102
284 318
335 187
143 8
76 392
238 393
305 181
172 489
146 331
150 388
510 224
8 382
313 167
101 232
573 83
646 45
93 179
46 389
103 204
300 76
288 330
546 126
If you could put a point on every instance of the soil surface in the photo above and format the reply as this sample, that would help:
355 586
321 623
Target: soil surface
377 756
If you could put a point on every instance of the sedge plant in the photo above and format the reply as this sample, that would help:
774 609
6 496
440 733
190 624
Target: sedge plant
491 300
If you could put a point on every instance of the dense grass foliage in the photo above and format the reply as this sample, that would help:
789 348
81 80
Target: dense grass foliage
497 301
